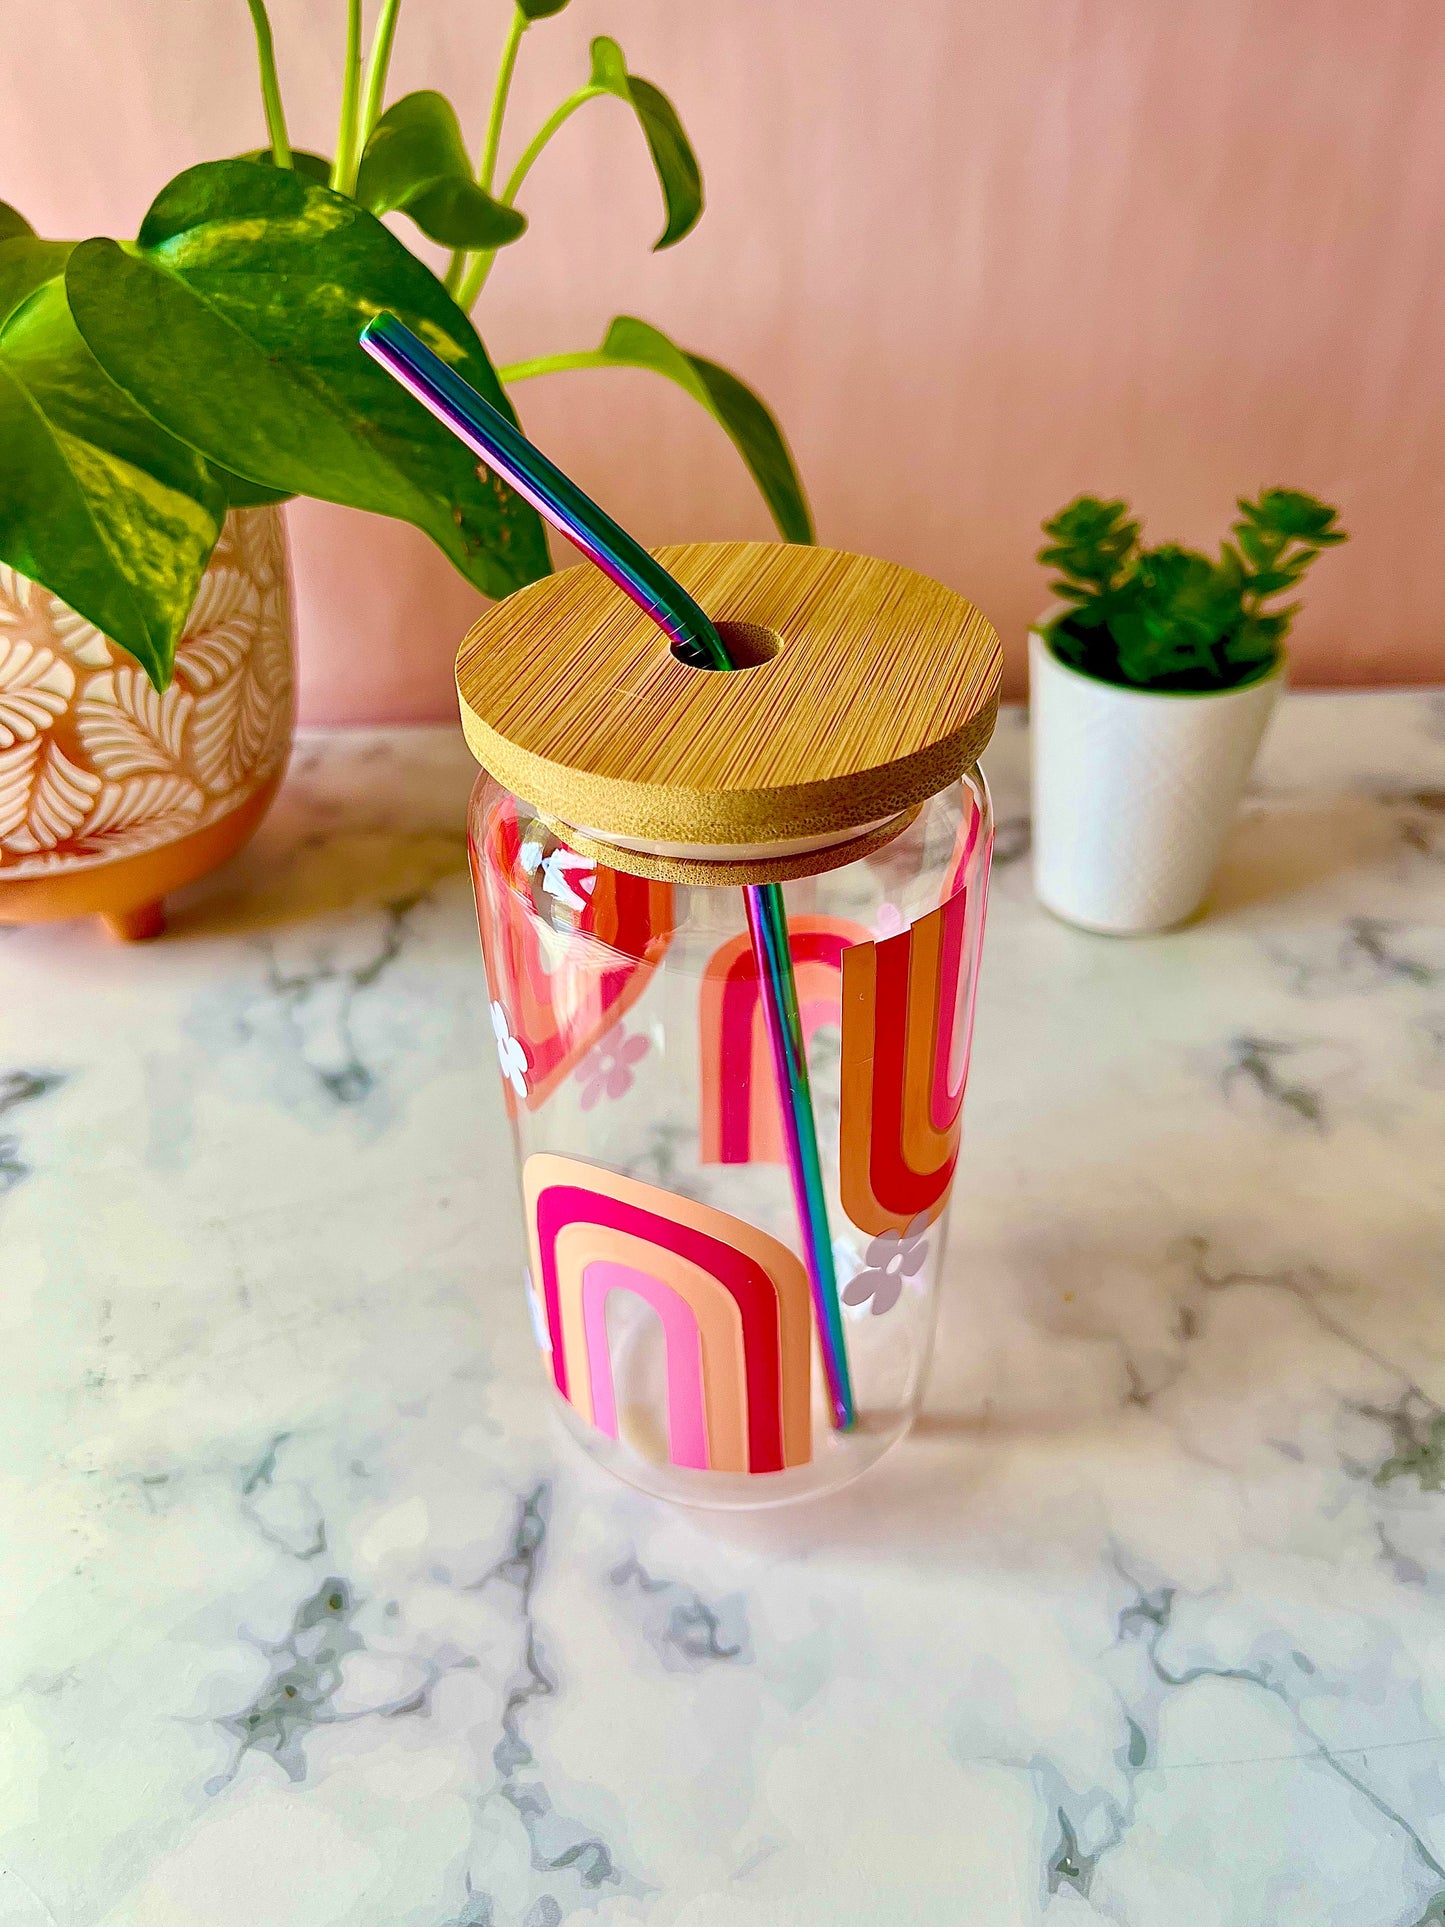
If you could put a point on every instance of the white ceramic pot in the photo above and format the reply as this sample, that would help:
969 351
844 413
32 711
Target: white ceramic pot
1134 792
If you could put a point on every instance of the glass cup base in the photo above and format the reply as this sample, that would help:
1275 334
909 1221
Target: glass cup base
843 1458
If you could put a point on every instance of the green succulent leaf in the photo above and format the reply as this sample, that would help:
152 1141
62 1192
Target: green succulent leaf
631 343
257 284
1170 618
1265 582
311 167
1290 513
1092 541
678 173
416 161
97 503
1256 545
540 9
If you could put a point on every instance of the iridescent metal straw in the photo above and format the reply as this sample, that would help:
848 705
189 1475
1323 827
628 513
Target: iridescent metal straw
505 450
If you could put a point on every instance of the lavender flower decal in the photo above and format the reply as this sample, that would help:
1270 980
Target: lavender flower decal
891 1257
607 1070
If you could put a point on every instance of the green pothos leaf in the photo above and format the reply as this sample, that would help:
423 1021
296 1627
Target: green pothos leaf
416 161
256 284
13 224
678 173
97 502
311 167
241 494
755 434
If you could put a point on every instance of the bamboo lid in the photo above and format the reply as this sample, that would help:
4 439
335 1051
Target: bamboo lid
872 689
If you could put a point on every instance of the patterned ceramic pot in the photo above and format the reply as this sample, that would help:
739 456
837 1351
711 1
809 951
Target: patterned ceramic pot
112 795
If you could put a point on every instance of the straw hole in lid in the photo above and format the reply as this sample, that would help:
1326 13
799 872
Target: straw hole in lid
749 645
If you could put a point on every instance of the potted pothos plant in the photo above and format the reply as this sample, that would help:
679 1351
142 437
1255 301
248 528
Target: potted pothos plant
161 397
1151 682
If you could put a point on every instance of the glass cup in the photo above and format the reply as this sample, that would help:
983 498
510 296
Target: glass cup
666 1286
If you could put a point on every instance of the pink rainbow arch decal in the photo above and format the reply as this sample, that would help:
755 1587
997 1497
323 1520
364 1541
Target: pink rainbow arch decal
740 1122
964 846
733 1304
907 1031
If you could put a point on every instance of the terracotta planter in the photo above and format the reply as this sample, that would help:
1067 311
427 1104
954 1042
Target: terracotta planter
111 795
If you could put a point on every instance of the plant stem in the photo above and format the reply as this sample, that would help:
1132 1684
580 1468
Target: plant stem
458 277
544 133
377 64
270 86
487 166
343 167
553 365
471 284
465 288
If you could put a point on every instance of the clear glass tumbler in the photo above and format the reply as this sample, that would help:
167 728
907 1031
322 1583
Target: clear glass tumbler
666 1286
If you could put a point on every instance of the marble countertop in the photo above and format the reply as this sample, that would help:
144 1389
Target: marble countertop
310 1615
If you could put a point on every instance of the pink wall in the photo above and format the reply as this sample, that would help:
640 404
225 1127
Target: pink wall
979 257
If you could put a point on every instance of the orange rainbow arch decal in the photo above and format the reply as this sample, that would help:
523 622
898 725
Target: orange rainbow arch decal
740 1122
733 1304
907 1031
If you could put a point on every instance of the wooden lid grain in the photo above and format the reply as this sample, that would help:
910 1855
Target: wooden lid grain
883 691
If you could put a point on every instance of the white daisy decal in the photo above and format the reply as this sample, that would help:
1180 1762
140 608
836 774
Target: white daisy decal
511 1055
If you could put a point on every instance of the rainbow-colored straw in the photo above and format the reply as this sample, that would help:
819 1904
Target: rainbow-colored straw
504 449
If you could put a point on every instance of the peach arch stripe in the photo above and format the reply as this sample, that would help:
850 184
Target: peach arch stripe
717 1333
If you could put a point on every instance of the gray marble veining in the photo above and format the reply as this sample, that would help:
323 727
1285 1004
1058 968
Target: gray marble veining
312 1617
